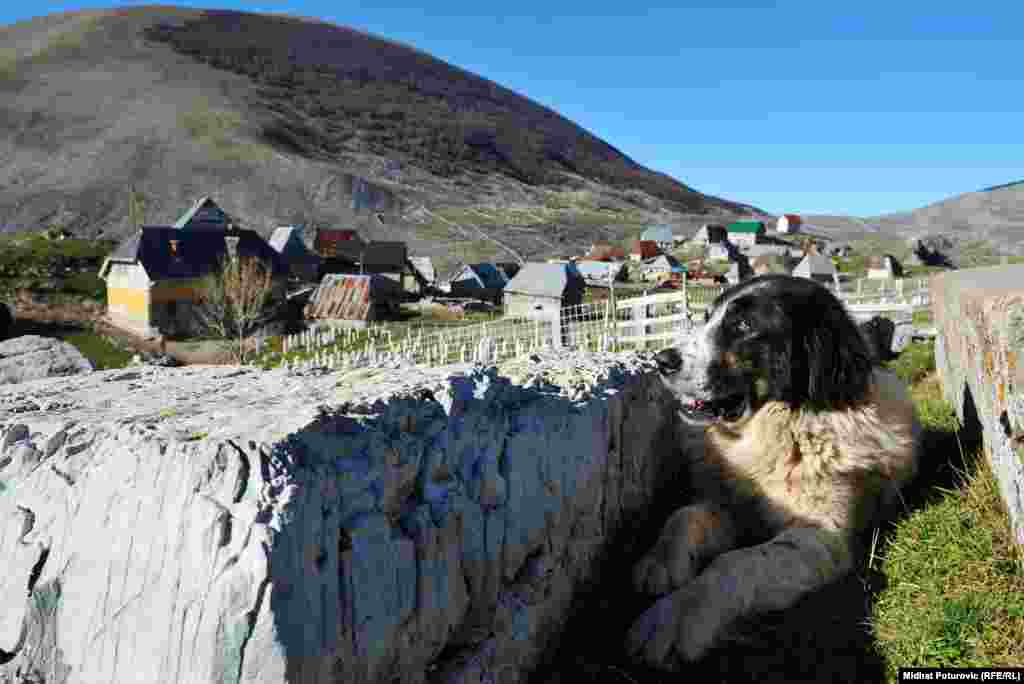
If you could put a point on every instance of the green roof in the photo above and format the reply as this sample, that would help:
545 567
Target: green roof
745 227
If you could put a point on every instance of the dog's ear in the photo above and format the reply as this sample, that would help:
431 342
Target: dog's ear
839 362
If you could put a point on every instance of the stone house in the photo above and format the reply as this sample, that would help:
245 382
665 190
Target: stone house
742 233
155 277
819 268
543 290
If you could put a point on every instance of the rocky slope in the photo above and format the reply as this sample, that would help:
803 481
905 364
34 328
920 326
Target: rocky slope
296 121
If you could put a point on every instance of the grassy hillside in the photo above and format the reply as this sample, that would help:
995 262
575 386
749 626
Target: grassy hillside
290 121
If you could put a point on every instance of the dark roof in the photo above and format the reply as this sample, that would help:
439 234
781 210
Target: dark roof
377 254
198 253
204 214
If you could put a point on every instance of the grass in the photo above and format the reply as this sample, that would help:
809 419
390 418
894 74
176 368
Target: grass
942 586
216 129
100 349
954 590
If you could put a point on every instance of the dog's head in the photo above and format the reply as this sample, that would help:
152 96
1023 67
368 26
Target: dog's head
769 338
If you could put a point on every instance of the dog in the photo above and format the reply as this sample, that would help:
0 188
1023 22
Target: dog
807 442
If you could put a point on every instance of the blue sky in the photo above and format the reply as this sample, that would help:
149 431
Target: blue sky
814 107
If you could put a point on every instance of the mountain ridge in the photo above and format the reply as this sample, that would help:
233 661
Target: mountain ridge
285 120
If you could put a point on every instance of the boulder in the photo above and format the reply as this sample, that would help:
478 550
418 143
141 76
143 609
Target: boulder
385 523
32 357
154 359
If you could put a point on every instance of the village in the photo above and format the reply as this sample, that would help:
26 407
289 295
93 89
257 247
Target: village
335 279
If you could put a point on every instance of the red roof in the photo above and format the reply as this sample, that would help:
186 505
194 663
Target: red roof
605 253
793 218
645 248
327 238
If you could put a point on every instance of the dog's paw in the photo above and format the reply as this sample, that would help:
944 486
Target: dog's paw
666 567
677 629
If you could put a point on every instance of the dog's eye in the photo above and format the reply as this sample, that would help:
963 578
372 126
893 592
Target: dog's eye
742 326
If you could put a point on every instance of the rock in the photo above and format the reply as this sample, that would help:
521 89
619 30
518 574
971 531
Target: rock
154 359
32 357
935 250
209 524
6 321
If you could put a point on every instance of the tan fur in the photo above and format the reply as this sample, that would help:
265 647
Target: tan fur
807 482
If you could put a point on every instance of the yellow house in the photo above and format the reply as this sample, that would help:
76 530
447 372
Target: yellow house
153 277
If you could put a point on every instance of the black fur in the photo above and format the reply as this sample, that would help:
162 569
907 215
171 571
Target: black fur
796 337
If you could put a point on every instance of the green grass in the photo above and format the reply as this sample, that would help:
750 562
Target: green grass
915 362
98 349
216 129
953 589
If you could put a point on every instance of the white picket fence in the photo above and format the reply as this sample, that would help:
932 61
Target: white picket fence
637 323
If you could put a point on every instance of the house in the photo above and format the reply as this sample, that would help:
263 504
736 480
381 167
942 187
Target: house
754 251
542 290
424 267
883 266
155 277
717 252
603 251
745 232
660 266
509 268
840 249
819 268
386 258
480 281
789 223
287 242
204 214
642 250
328 240
597 273
355 299
772 263
660 235
709 233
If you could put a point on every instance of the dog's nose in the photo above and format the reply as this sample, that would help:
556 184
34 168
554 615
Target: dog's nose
668 360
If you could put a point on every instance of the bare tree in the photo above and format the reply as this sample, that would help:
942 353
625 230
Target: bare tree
236 300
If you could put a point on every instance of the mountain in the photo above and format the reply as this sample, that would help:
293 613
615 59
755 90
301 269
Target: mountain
287 120
991 219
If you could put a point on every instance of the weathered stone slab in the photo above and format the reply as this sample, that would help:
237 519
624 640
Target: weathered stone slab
213 524
979 315
31 357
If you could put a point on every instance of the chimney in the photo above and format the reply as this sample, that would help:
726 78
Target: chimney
231 242
174 247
